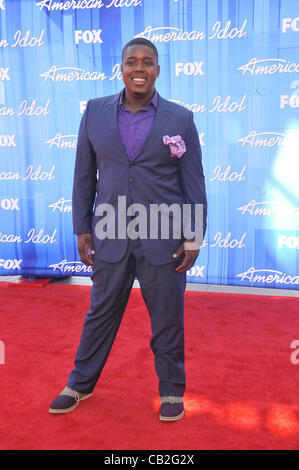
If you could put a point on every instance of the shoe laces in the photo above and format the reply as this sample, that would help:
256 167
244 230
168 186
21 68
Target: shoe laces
71 393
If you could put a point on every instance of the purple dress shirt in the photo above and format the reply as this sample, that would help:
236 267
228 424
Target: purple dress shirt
134 129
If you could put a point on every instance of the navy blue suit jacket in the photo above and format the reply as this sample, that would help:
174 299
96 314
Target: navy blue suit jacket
103 172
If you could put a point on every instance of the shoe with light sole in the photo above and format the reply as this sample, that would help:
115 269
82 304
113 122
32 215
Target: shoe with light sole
172 408
67 401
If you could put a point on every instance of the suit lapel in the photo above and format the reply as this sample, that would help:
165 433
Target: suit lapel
112 122
160 120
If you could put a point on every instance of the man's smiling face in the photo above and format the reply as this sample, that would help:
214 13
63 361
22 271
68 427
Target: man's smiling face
140 70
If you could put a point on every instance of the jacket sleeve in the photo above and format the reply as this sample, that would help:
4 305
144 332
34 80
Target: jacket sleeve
85 180
192 181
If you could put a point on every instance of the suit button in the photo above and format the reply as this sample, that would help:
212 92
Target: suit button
131 180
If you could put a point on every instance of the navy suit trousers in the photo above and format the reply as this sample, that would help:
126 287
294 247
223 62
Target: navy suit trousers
163 292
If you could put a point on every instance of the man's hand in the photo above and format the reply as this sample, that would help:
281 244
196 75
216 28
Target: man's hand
86 248
191 250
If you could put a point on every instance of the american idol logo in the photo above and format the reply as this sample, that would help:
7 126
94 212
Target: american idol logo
6 111
70 74
219 104
41 237
71 267
10 238
27 108
194 107
32 173
268 209
24 40
269 139
51 5
267 276
220 174
269 66
68 141
37 238
62 205
173 34
169 33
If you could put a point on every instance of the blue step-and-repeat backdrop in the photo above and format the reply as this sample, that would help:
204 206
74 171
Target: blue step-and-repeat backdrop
234 63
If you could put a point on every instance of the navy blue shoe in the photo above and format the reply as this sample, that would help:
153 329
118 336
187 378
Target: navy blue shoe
67 401
172 408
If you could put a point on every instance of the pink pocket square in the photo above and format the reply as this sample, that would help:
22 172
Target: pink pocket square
176 144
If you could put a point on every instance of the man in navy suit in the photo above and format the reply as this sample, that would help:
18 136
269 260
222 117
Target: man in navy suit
136 151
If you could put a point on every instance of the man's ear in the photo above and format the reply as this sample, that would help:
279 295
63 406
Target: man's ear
158 70
121 68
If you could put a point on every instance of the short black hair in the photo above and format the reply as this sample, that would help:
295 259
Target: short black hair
140 42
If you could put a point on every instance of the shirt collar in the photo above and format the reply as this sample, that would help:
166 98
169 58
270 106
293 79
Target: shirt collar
154 100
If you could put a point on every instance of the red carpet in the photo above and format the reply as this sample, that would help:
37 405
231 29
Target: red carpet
242 389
